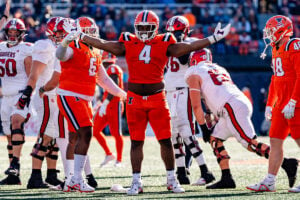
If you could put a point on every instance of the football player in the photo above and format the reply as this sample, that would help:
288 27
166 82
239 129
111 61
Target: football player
110 112
15 59
213 83
43 57
147 53
284 96
81 69
182 122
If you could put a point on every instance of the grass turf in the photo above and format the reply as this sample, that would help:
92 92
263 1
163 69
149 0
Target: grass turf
246 167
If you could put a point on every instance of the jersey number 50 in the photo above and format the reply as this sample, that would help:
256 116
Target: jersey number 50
9 67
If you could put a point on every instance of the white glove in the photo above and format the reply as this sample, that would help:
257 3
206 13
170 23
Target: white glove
102 110
268 113
69 38
289 109
219 33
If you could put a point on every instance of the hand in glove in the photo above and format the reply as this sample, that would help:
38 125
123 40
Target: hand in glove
219 33
268 113
103 107
289 109
24 100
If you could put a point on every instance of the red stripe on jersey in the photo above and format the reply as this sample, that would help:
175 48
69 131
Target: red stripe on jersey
46 115
190 114
235 123
61 125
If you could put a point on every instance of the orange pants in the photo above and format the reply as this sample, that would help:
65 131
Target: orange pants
113 120
77 111
143 109
281 127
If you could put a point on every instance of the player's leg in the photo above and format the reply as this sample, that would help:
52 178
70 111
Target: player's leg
99 124
160 121
115 126
79 116
88 173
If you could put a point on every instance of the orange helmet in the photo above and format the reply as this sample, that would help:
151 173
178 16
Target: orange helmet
276 28
179 26
146 25
18 25
108 57
202 55
88 26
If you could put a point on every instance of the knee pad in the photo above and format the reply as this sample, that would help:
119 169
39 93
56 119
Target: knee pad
9 148
178 145
217 150
39 147
193 143
53 149
17 131
258 150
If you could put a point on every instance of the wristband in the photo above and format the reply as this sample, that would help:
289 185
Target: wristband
5 16
42 89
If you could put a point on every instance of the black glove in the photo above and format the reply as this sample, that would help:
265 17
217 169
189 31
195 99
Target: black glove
24 100
206 132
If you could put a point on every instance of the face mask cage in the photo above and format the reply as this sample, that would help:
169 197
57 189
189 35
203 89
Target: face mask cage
148 33
13 40
91 31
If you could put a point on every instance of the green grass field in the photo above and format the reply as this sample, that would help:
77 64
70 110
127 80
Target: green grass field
247 168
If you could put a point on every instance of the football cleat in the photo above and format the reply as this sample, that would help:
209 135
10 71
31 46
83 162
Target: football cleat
107 159
118 164
52 179
174 186
183 179
136 188
11 180
224 183
290 166
295 189
79 185
262 187
91 180
35 182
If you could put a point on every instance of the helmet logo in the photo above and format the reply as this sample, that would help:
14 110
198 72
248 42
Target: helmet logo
279 22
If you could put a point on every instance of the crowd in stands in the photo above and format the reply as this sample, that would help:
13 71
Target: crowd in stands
245 37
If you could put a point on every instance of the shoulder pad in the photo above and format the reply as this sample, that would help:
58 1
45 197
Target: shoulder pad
126 36
42 46
293 45
167 37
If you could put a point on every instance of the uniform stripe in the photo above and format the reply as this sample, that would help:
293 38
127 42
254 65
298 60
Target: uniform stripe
235 123
145 16
69 112
46 115
120 118
190 113
167 37
77 45
287 46
61 125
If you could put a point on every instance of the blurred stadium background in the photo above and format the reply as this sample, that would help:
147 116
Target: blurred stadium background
239 53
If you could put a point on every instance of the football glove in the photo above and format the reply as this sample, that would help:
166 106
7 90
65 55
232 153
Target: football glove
102 110
24 100
268 113
289 109
206 132
69 38
219 33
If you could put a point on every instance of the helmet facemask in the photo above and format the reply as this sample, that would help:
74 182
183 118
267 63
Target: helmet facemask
145 31
13 38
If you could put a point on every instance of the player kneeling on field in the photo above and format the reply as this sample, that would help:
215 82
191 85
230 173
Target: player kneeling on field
213 83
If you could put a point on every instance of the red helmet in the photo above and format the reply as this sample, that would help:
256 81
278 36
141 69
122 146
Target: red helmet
14 24
146 25
276 28
178 23
108 57
51 25
202 55
88 26
59 31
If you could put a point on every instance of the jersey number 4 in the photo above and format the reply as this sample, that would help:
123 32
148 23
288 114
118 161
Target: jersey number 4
8 67
145 54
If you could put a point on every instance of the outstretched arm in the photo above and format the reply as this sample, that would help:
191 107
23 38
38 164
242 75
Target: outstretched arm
181 48
114 47
5 14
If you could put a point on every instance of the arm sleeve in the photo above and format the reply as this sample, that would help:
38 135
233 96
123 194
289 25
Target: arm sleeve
57 66
271 95
296 63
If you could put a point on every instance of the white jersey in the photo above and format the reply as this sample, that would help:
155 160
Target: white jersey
44 52
217 87
174 77
12 68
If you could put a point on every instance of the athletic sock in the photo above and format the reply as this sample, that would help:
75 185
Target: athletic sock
87 166
136 177
79 162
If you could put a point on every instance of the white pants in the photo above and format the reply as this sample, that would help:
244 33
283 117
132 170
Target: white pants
9 108
182 120
236 121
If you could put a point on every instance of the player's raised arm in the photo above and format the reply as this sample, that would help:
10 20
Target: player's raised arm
109 85
5 16
181 48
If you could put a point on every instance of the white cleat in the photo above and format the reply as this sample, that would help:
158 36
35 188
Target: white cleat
263 186
107 159
174 186
200 181
80 185
135 189
118 164
295 189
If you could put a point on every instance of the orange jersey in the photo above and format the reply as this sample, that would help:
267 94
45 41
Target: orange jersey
146 61
79 73
285 82
115 69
